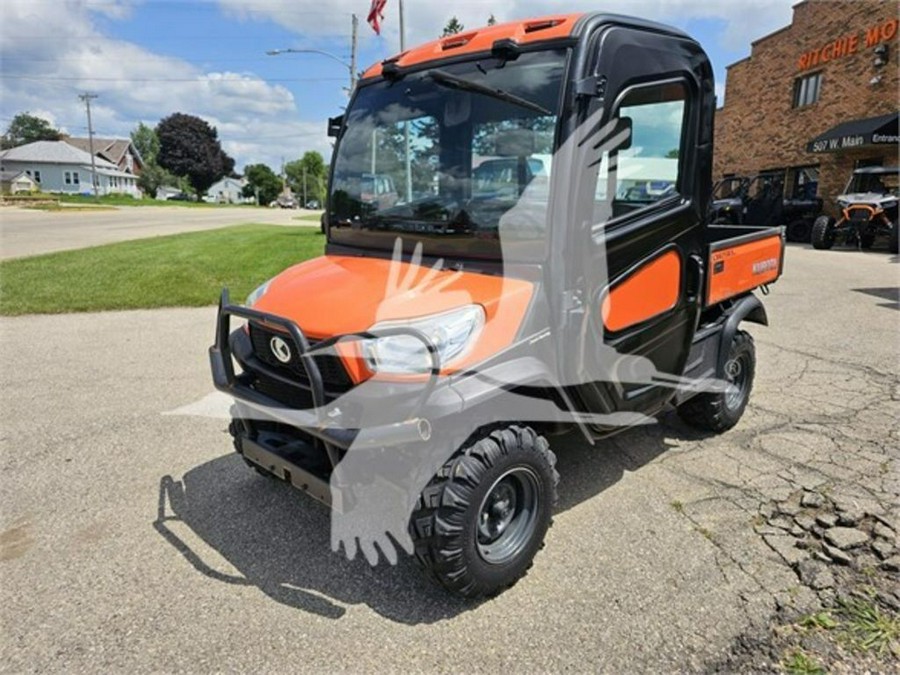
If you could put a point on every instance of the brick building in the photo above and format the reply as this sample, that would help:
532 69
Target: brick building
815 99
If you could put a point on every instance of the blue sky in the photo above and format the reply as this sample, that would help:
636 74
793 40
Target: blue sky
148 58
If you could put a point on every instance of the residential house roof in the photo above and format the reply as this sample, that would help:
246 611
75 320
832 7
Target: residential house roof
53 152
226 181
111 149
9 176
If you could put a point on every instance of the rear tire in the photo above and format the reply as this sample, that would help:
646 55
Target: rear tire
823 233
719 411
480 521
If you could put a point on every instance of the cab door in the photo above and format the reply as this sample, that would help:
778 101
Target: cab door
637 257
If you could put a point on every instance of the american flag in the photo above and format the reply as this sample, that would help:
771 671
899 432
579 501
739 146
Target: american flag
376 15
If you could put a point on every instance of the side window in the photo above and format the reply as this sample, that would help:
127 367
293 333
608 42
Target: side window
646 168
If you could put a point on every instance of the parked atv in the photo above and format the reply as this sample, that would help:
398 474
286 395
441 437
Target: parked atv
759 200
409 377
868 210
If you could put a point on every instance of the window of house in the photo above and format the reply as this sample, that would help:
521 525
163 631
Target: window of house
807 90
68 177
37 176
75 178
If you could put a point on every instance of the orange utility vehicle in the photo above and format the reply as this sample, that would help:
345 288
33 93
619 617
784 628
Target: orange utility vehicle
570 289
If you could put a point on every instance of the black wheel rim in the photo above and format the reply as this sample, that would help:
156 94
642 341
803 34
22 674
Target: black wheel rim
736 376
508 516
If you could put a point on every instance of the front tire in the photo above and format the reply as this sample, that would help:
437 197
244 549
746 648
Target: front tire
823 233
481 520
719 411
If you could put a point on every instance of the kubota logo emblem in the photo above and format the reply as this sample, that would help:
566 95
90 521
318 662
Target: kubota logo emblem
280 349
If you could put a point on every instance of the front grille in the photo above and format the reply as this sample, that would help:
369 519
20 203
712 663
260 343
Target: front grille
293 397
334 376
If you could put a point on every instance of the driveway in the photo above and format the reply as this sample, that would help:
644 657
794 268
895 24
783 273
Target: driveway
26 232
136 541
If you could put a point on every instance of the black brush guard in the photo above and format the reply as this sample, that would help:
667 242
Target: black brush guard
315 422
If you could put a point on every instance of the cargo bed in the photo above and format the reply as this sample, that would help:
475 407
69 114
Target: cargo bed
741 258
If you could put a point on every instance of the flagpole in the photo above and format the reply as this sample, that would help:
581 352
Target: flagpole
402 26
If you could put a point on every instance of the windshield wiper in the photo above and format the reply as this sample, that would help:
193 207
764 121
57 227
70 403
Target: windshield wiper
444 78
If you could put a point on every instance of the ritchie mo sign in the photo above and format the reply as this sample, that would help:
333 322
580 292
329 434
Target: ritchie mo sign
849 44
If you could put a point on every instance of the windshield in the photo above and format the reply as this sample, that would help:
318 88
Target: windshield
879 183
451 158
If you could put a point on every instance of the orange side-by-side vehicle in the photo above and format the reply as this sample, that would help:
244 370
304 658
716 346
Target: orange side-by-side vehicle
517 246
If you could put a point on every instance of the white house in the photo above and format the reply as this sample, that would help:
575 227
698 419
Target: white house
227 191
60 167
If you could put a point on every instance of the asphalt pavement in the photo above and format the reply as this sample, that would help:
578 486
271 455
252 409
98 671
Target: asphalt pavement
25 232
136 541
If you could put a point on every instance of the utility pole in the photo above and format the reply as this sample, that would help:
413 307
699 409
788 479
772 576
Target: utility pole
353 47
304 187
402 26
86 97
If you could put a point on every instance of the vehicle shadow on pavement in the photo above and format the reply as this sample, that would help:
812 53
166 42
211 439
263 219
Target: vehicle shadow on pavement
264 533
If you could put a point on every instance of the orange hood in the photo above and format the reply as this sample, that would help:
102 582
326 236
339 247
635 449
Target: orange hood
333 295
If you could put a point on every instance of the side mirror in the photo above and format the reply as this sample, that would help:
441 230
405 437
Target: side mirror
334 126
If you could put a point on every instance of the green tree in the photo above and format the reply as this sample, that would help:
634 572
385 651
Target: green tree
453 27
190 147
312 166
146 142
26 128
672 154
262 183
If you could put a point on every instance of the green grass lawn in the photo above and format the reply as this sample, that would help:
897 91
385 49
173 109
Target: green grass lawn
183 270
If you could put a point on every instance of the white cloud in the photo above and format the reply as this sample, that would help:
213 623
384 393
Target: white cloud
744 21
256 120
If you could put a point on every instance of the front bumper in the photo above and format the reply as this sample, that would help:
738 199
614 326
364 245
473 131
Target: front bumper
323 419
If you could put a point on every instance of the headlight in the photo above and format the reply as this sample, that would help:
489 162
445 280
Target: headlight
260 291
452 333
